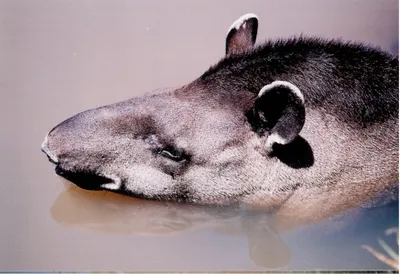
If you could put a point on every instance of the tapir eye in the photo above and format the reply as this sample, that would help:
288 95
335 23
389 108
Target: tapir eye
168 151
173 154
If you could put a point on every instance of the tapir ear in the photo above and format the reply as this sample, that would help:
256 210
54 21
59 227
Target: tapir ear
278 112
242 34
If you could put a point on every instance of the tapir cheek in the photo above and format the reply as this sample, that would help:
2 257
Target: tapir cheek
145 180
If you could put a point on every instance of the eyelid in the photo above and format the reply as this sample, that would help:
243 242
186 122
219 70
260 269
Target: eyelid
168 151
173 154
168 154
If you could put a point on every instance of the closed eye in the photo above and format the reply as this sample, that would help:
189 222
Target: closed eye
173 154
170 152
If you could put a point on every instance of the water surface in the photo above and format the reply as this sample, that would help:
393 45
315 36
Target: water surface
62 57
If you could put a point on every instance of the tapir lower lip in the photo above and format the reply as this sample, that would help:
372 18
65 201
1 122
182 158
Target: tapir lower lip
84 179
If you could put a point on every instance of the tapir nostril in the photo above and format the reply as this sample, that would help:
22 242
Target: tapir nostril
45 148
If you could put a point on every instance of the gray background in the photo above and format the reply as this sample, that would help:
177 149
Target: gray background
61 57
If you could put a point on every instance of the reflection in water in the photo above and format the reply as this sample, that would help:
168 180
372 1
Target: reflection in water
113 213
116 214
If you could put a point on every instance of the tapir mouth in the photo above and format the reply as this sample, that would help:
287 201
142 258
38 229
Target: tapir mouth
83 179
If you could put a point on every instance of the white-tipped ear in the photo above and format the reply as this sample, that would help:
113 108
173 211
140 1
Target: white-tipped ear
290 86
242 34
275 138
241 21
279 112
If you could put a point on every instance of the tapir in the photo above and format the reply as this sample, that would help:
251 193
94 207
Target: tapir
289 121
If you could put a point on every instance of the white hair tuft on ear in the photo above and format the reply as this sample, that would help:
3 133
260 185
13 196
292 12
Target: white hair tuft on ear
240 21
275 138
274 84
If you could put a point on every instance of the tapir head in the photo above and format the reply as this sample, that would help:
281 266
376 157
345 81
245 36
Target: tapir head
206 142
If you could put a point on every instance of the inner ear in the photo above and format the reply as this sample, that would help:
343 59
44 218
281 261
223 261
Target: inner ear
242 34
278 113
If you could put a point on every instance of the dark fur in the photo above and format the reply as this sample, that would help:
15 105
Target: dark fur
325 71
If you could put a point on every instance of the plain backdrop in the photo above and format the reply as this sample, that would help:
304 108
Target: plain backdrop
59 57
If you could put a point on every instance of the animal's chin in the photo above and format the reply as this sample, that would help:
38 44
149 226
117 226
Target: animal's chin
83 179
